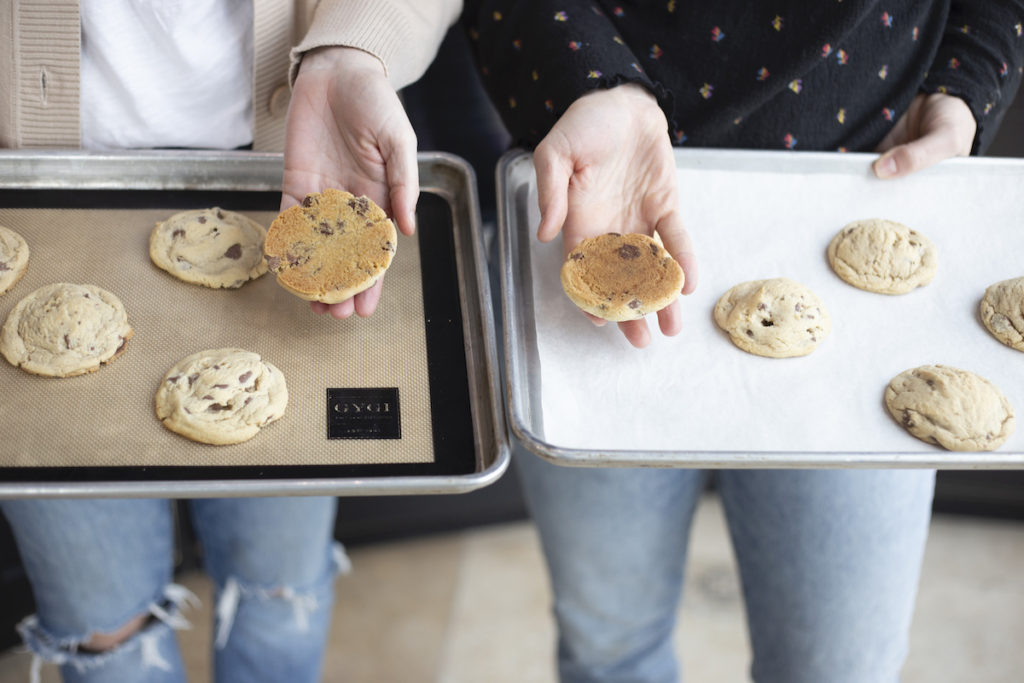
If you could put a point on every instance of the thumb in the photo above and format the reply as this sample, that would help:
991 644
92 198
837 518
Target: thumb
403 178
553 174
929 149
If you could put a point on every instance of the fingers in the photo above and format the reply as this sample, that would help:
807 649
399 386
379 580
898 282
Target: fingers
914 156
636 332
678 243
553 174
365 302
403 174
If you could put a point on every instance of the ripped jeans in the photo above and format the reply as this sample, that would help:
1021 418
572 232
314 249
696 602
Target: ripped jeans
96 564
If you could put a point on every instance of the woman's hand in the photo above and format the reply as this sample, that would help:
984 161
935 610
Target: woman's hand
934 127
347 129
607 166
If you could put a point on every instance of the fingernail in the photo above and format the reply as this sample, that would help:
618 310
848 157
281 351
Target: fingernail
886 168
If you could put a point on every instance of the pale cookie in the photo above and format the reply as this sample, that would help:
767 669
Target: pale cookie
1002 311
13 258
953 408
210 247
882 256
777 318
221 396
621 277
63 330
331 247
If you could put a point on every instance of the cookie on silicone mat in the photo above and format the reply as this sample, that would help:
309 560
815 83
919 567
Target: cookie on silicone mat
1002 312
14 253
212 247
882 256
221 396
64 330
775 318
953 408
620 277
331 246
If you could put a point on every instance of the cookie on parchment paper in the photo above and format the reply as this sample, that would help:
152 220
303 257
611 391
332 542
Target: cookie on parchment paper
776 318
13 258
621 277
954 408
1002 311
64 329
212 247
221 396
882 256
331 246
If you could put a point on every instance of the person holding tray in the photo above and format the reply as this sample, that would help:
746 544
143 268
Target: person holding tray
829 560
208 75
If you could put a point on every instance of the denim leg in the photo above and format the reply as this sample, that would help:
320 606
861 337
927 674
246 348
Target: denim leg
273 563
830 562
94 565
615 543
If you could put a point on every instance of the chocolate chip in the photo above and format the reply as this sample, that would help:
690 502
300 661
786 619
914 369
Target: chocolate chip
629 252
177 233
634 304
67 342
762 307
799 307
654 249
3 266
174 379
220 386
201 219
192 379
273 262
576 256
750 333
207 398
325 228
244 377
234 252
220 214
767 323
908 421
217 407
930 383
309 201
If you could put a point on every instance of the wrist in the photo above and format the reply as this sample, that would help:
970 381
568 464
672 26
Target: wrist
337 58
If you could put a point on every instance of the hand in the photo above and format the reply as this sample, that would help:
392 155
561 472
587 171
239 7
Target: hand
934 127
607 166
347 130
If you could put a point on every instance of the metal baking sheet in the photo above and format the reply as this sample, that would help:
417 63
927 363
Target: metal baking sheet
695 400
453 436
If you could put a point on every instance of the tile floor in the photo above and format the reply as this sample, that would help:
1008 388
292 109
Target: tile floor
426 610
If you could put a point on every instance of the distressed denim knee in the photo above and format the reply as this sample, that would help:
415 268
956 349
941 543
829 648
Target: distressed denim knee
149 655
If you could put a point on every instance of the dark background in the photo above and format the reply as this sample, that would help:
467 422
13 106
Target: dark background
451 113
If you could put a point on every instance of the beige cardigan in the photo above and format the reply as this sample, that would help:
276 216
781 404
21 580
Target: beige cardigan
40 54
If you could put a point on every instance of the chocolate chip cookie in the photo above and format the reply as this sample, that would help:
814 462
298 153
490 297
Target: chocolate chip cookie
13 258
63 330
621 277
1002 312
882 256
953 408
221 396
210 247
331 246
776 318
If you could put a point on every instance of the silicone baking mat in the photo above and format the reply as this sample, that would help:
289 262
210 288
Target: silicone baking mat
103 424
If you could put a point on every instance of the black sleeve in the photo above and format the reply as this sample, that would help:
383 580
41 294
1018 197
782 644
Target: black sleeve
537 57
980 60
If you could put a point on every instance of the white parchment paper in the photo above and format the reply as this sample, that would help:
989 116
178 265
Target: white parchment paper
752 218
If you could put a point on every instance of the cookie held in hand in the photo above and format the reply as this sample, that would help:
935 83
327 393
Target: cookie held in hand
331 246
621 277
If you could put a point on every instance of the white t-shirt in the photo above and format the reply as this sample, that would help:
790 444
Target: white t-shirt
166 73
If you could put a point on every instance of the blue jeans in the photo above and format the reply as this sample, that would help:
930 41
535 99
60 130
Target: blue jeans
829 562
96 564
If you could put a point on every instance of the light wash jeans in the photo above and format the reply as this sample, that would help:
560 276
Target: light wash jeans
95 564
829 562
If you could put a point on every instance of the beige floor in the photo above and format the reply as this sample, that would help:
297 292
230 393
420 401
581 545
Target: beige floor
472 607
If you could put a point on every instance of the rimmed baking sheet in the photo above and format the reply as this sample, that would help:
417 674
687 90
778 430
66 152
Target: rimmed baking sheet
580 395
429 348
